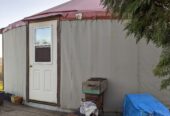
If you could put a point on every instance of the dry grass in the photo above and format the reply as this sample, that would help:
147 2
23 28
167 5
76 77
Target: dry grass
1 82
1 86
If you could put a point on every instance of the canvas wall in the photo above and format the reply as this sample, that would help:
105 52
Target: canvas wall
15 61
100 48
97 49
91 48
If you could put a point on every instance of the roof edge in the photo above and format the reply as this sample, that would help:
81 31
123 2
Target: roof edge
67 11
13 25
1 30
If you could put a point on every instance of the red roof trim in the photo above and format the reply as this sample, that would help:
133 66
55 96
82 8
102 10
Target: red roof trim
1 31
36 17
87 15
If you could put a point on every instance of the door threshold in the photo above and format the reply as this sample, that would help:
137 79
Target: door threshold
42 102
47 107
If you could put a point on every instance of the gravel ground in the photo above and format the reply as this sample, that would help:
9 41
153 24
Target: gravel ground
20 110
9 109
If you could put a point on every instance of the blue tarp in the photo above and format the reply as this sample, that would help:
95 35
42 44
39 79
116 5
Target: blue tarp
143 105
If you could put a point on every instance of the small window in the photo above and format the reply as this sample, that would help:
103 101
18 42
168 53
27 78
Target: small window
43 40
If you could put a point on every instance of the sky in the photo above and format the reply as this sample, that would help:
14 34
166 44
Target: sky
14 10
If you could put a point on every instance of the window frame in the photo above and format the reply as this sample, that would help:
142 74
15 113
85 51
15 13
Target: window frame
51 46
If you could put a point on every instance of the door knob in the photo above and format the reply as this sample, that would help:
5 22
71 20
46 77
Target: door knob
30 66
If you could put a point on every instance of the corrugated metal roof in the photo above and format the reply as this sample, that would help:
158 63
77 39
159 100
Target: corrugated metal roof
78 5
90 9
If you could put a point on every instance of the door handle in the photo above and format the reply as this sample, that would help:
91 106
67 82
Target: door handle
30 66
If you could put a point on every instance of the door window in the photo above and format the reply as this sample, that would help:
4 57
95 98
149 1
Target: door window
43 43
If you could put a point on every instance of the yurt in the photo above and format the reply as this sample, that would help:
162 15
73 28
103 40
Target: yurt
47 56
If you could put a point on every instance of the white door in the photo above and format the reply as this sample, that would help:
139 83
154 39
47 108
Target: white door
43 61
